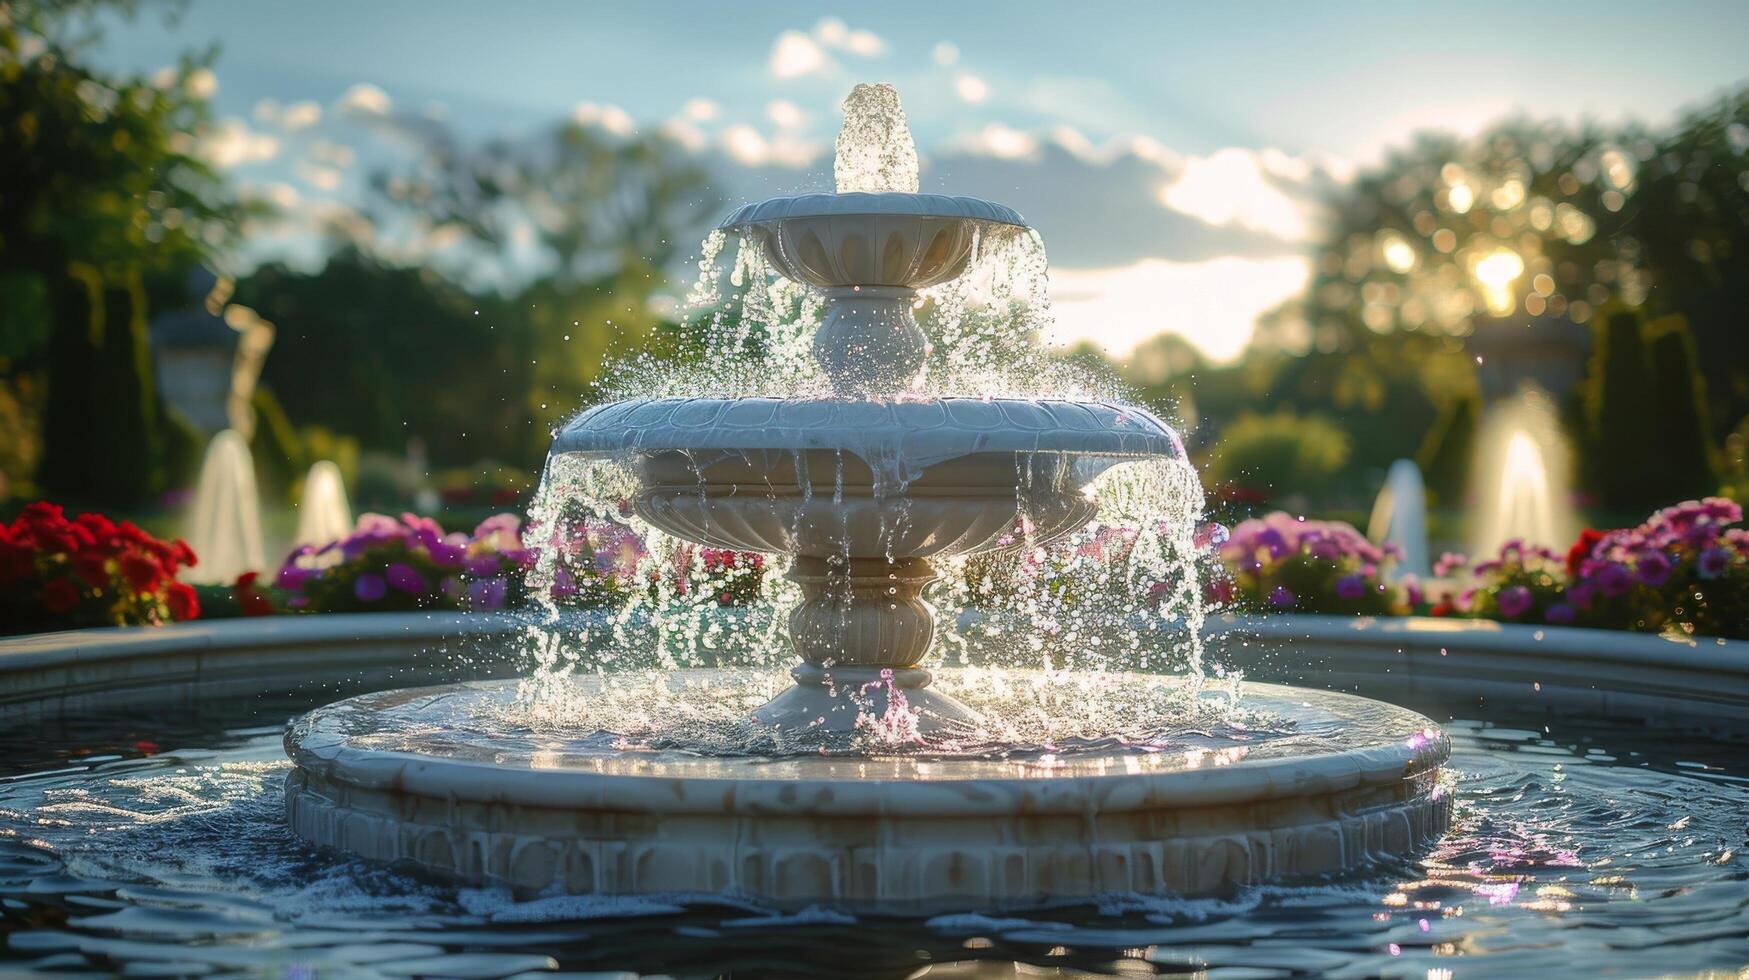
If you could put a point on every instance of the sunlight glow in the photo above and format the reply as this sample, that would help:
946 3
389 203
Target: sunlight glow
1496 272
1212 304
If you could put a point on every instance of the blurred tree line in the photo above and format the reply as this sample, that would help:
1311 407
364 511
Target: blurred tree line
105 206
483 365
531 262
1642 237
482 286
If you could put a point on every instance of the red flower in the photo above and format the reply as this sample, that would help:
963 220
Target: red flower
1440 609
93 567
60 596
250 597
16 563
183 603
148 747
1582 549
141 572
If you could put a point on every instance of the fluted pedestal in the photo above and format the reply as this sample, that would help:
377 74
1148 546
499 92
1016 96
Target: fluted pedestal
861 630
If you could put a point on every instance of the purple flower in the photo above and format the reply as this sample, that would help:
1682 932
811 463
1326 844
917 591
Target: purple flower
370 587
1653 567
1412 592
1580 595
1561 614
292 577
487 593
448 552
1614 579
1271 540
1514 601
1712 562
1281 598
564 584
482 565
405 578
1350 587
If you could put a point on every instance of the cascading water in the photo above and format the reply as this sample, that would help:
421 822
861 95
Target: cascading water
224 525
983 559
1120 593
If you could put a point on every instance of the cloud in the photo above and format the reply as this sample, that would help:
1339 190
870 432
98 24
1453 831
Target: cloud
945 53
1234 187
364 99
1096 205
700 110
834 33
794 54
608 117
784 114
1214 303
299 116
971 88
321 177
233 144
998 141
686 133
746 146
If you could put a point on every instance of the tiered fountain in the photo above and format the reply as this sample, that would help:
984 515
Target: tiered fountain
860 489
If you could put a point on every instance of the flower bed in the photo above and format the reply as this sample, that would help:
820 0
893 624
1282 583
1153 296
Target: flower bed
1685 570
60 573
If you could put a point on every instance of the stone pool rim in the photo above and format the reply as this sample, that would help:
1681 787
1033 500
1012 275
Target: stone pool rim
63 673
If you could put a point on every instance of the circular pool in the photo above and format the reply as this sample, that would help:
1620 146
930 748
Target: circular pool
146 829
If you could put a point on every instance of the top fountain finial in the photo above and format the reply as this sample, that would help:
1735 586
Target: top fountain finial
872 245
875 151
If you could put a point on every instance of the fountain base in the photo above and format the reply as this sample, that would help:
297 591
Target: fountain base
416 776
845 699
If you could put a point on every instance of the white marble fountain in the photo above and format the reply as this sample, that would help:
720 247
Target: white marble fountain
859 491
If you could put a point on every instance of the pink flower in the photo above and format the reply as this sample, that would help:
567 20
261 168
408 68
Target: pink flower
1448 563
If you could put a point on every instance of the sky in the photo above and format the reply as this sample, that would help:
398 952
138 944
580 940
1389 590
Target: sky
1172 155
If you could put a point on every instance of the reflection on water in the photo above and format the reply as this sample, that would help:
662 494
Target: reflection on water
1577 850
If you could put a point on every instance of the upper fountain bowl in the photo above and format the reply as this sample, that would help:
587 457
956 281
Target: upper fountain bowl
838 241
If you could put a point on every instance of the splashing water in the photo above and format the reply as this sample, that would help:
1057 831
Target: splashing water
1122 593
875 150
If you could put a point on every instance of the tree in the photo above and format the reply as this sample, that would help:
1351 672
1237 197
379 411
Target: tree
102 192
386 354
1684 436
1624 449
600 207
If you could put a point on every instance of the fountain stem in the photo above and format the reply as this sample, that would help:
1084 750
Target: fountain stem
862 612
869 343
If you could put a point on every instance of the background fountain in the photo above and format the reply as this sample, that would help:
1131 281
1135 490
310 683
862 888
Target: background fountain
1399 517
224 525
323 512
1522 476
873 781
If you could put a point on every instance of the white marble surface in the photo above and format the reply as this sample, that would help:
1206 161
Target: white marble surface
888 834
